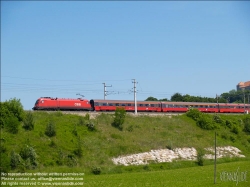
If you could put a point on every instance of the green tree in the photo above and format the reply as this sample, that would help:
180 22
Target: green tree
50 129
120 114
16 108
177 97
28 122
151 99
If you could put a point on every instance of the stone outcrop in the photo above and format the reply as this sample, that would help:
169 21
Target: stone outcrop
167 155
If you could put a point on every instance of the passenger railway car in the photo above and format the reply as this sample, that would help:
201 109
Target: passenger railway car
49 103
110 105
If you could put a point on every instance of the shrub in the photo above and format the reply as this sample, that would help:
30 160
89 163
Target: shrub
96 170
130 128
232 138
235 129
205 122
15 160
217 119
120 114
194 114
200 157
246 122
91 126
29 156
12 124
224 136
16 108
60 159
71 161
52 144
50 129
228 124
28 122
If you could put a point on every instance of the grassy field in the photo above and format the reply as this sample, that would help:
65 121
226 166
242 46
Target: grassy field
61 153
194 176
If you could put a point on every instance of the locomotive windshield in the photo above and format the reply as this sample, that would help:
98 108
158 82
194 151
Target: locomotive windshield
37 101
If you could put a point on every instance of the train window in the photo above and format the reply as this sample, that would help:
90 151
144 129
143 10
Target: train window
123 104
96 104
104 104
117 104
146 105
152 105
110 104
140 104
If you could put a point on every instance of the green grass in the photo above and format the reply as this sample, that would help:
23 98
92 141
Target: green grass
194 176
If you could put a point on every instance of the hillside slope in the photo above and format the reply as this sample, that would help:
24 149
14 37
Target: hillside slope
80 147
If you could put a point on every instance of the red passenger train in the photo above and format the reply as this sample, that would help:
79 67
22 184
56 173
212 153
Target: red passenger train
48 103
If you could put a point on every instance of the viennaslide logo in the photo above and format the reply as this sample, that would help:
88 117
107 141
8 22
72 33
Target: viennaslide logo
234 176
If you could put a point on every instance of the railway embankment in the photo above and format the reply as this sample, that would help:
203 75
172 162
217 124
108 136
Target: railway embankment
83 142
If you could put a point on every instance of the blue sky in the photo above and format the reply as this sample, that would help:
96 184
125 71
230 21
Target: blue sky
62 48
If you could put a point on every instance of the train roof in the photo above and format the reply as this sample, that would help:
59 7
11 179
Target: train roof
51 98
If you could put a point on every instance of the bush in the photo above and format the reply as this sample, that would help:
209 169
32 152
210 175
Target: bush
5 114
12 124
130 128
15 160
16 108
29 156
246 122
205 122
228 124
52 143
232 138
235 129
120 114
91 126
71 161
194 114
50 129
28 122
96 170
200 157
217 119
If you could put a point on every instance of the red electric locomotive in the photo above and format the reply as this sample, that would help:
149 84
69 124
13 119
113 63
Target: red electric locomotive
49 103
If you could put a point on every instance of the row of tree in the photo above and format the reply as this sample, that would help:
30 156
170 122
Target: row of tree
232 96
